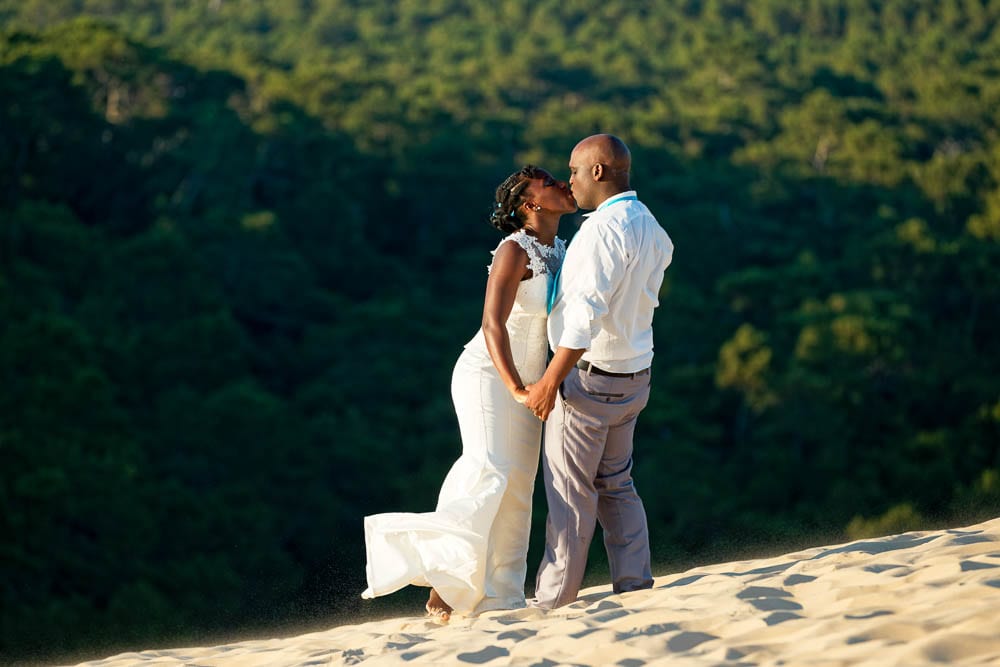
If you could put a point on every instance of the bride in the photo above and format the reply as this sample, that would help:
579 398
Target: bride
472 549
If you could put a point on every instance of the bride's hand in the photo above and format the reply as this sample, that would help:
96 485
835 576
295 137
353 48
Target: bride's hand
521 394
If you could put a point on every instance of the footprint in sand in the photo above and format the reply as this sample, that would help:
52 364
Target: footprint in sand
971 539
627 662
583 633
605 605
765 598
607 611
517 616
401 641
648 631
517 635
685 641
779 617
762 572
969 565
486 655
353 656
769 599
896 543
683 581
879 568
872 614
734 654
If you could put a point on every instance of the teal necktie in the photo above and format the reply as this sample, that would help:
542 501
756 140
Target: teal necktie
553 288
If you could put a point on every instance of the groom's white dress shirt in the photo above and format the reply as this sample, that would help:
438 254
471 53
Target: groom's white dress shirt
609 286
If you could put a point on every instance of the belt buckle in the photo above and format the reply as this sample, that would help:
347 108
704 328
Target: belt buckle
591 369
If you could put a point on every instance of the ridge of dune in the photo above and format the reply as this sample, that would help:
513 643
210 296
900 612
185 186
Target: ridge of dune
918 598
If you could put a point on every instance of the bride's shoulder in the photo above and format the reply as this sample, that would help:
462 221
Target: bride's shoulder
518 238
512 247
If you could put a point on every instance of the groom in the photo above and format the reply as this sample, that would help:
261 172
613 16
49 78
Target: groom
600 329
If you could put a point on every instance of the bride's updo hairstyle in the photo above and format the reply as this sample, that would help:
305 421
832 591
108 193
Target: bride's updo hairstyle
508 216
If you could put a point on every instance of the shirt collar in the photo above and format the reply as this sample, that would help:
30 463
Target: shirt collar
621 196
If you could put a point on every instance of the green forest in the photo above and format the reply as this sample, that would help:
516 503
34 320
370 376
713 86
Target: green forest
242 244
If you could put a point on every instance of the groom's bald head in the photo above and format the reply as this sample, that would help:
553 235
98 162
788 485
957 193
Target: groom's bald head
599 168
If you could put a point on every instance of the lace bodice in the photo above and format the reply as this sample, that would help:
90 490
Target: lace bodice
526 323
542 259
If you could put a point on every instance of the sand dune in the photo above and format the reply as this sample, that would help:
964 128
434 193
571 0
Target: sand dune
922 598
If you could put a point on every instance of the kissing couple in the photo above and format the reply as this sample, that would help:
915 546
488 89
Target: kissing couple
592 303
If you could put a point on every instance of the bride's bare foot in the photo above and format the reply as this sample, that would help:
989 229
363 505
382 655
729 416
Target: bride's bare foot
437 607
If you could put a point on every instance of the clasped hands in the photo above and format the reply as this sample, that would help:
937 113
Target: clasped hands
538 397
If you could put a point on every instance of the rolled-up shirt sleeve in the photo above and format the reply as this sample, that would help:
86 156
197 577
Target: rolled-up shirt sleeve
589 280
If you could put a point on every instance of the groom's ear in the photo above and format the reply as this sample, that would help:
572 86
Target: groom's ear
598 171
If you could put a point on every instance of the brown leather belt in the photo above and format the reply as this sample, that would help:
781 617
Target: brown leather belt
588 367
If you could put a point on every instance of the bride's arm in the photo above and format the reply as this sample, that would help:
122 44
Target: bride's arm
508 269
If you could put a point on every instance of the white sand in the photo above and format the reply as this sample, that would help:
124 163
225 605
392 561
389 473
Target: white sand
922 598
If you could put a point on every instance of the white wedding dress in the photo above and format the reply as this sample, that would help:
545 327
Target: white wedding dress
473 548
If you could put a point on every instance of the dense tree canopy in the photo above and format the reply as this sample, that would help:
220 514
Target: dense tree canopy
242 244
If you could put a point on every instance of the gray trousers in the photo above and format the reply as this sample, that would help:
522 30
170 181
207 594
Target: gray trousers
587 466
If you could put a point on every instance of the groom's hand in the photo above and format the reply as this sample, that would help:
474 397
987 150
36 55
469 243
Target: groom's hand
541 398
542 395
